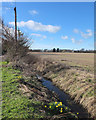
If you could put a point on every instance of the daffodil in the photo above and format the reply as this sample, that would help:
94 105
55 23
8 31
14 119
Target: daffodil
49 106
61 111
55 102
19 76
45 106
61 103
66 108
56 105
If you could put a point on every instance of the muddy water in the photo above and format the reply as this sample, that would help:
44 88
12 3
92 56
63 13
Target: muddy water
65 99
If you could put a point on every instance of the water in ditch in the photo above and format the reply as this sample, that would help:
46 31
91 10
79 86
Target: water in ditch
66 100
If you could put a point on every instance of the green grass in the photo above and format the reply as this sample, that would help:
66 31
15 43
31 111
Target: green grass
14 104
4 63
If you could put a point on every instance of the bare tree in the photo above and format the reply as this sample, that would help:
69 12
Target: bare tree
8 42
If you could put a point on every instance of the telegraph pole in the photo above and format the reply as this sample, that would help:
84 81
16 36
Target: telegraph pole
15 28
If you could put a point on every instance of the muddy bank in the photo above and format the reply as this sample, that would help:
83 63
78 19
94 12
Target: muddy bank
79 84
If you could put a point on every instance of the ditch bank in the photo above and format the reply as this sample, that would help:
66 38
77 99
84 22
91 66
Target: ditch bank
65 99
77 83
29 99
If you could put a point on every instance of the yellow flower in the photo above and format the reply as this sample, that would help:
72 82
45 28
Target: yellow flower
45 106
61 103
49 106
77 113
55 102
61 108
56 106
19 76
66 108
61 111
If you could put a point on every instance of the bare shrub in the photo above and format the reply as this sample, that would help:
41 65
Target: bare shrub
14 50
30 59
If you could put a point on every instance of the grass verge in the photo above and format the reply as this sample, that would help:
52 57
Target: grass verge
17 105
14 104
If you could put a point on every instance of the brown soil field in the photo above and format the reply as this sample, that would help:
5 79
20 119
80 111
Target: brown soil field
71 72
85 60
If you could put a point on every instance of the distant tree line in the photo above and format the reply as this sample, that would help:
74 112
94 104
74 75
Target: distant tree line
65 50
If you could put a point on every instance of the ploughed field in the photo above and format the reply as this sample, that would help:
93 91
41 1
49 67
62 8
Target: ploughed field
73 59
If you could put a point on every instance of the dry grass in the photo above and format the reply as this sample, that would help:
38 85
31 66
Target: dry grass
78 87
71 72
